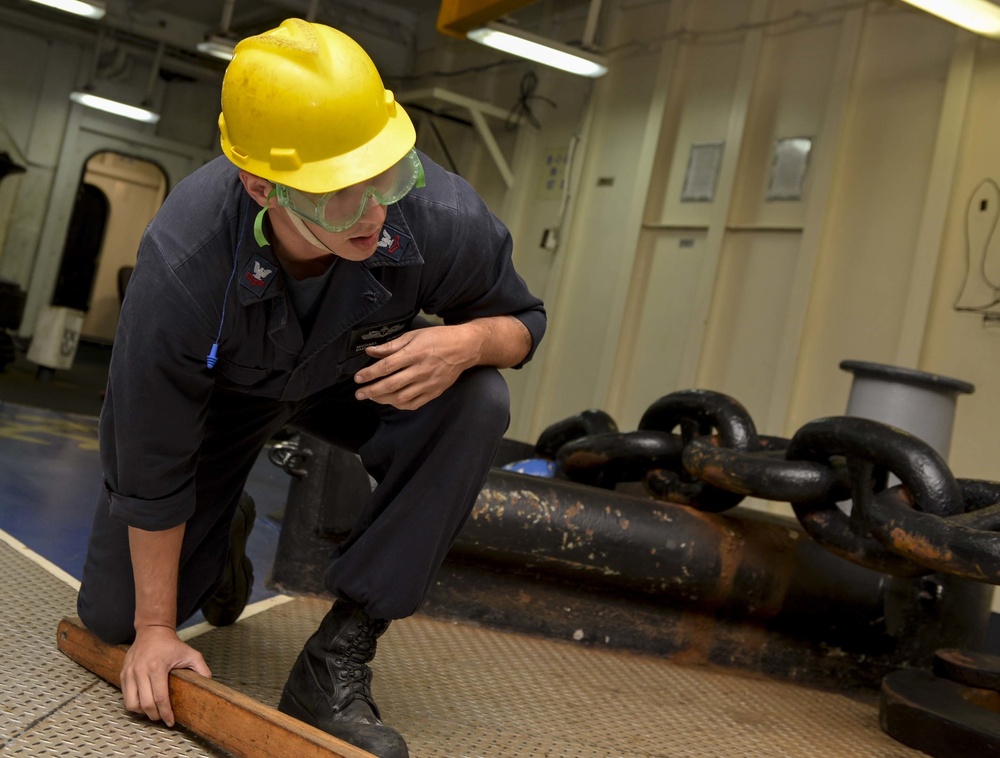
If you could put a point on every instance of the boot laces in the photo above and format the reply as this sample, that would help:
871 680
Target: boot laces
355 673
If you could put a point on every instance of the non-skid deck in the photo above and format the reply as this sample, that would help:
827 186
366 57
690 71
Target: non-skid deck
452 689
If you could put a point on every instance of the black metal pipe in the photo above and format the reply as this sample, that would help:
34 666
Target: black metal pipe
739 588
741 564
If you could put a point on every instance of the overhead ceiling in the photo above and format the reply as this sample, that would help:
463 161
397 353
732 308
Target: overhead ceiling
393 32
248 13
181 24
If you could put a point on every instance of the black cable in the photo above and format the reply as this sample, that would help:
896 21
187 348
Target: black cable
985 250
529 83
459 72
443 146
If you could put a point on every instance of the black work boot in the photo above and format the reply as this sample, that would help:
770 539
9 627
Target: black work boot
330 684
233 591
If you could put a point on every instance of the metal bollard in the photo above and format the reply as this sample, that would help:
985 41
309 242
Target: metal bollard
928 712
917 402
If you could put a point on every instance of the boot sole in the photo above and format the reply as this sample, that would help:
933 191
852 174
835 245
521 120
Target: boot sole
224 608
388 743
290 706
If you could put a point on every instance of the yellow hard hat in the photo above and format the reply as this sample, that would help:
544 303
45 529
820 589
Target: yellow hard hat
303 105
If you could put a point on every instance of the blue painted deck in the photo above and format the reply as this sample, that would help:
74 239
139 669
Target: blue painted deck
49 478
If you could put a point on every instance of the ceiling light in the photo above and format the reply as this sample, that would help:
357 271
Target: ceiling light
979 16
218 47
91 9
539 49
113 106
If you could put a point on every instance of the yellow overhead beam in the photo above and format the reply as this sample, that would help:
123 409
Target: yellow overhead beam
457 17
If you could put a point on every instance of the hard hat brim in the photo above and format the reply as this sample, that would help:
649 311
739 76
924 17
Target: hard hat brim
384 150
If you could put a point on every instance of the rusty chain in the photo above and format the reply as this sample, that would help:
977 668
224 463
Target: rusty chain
701 449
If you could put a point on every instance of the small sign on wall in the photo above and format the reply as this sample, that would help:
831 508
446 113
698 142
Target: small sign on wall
553 181
788 169
702 173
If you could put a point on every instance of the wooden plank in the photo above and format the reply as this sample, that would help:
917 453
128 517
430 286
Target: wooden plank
212 710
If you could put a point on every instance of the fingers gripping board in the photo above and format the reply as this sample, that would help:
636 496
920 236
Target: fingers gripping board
217 713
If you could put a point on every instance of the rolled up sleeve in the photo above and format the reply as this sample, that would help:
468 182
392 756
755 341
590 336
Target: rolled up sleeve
470 269
157 397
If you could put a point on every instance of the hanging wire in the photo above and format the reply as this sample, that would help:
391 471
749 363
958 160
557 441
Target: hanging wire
459 72
983 254
439 138
522 108
792 21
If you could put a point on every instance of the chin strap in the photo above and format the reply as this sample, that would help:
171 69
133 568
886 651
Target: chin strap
305 232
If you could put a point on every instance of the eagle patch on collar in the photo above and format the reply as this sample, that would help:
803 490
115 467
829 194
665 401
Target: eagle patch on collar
258 275
392 243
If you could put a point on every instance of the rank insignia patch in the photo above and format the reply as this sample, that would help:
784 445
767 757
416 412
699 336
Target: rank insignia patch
392 242
258 275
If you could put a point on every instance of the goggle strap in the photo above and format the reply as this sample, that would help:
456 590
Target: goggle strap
421 181
258 222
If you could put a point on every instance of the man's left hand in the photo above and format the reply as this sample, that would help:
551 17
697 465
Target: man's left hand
418 366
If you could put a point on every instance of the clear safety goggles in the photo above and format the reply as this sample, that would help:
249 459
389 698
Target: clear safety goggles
341 209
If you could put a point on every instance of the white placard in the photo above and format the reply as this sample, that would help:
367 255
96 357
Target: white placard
702 171
788 169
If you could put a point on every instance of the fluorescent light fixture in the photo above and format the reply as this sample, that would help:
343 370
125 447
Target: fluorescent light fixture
539 49
91 9
113 106
979 16
218 47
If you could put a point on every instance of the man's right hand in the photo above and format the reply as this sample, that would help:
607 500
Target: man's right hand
156 652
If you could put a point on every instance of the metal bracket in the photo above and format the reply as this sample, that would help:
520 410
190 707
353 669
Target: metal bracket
291 458
954 711
478 111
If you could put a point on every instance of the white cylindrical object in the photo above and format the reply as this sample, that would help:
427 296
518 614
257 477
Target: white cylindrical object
56 337
917 402
928 609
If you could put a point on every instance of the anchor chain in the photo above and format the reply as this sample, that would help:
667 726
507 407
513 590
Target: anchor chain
701 449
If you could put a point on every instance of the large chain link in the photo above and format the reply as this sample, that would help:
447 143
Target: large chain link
701 449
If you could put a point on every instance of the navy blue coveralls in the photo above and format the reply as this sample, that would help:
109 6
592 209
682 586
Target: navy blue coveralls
178 440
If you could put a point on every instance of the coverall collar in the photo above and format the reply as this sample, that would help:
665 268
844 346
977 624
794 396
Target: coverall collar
396 246
261 278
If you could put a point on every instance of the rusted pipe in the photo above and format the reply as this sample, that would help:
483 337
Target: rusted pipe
741 564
